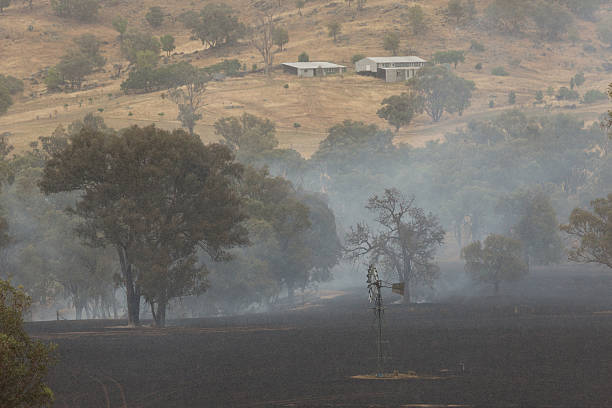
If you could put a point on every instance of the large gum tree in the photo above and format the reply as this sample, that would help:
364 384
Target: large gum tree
156 197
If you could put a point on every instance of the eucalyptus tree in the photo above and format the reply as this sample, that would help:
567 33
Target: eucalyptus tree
497 260
155 197
404 242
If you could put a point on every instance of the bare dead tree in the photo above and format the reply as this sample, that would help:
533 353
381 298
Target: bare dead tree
406 242
262 37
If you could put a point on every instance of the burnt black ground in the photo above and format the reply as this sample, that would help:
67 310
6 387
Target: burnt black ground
544 342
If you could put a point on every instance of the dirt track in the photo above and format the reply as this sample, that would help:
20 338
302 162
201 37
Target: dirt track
517 352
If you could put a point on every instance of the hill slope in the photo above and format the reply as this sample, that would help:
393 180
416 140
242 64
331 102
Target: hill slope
316 104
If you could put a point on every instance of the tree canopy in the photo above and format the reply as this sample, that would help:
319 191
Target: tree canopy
247 133
216 25
23 361
593 232
498 260
155 197
441 91
529 217
399 110
404 242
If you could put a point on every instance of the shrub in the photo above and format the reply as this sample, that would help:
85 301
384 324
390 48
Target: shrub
449 57
53 79
589 48
135 42
499 71
303 57
491 103
539 96
566 94
593 96
477 46
579 79
478 66
512 98
228 67
90 46
150 79
155 16
12 84
81 10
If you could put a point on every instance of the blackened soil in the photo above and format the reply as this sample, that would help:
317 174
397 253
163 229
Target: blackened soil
515 350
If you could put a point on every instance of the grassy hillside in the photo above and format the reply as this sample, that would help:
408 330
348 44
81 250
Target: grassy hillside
316 104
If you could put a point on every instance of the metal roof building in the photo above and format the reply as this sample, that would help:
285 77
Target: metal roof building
312 69
391 69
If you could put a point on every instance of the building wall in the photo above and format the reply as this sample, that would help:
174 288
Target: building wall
399 74
290 70
366 65
306 72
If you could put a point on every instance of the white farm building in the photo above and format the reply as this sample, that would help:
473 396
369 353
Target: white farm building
391 69
313 69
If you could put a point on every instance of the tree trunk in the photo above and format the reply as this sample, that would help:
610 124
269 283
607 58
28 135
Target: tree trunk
291 293
406 298
79 311
131 291
114 307
496 285
159 316
133 305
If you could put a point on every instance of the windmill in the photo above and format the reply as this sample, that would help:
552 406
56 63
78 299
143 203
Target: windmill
375 284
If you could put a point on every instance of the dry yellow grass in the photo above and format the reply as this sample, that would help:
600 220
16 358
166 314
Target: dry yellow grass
316 104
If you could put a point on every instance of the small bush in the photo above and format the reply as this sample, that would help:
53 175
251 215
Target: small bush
81 10
512 98
499 71
155 16
303 57
566 94
13 85
477 46
579 79
230 68
539 97
491 104
593 96
53 80
478 66
589 48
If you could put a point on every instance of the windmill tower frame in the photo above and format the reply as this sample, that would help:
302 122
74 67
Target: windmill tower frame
375 285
